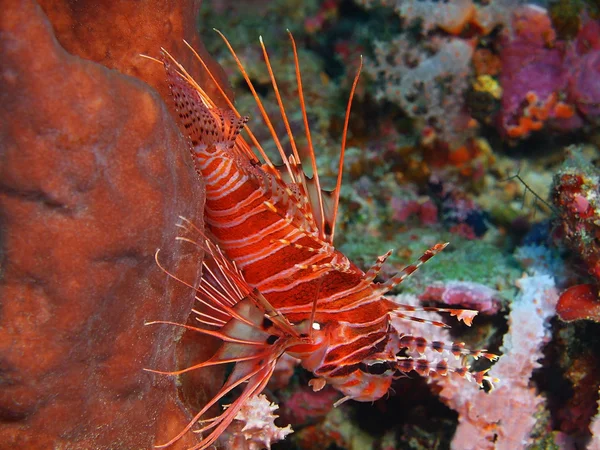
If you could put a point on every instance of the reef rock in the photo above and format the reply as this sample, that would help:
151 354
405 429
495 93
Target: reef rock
93 174
116 32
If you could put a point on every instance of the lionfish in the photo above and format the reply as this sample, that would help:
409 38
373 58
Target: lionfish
273 282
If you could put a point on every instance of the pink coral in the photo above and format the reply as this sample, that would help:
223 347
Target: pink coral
546 80
595 429
504 418
464 293
424 209
305 405
284 370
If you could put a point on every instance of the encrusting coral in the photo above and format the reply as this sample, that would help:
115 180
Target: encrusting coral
429 87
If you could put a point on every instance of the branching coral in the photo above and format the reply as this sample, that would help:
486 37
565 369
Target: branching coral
595 429
504 417
254 426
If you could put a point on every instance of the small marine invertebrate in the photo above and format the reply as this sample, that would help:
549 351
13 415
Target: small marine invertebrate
273 282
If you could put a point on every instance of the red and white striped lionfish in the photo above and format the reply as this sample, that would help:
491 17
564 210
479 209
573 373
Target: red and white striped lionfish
273 283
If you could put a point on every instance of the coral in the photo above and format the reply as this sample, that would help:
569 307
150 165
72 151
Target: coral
576 194
337 430
405 206
583 67
93 174
427 83
486 62
540 258
464 293
254 426
581 371
453 16
284 370
489 85
547 81
579 302
505 417
595 430
450 16
305 405
458 210
566 17
272 19
532 73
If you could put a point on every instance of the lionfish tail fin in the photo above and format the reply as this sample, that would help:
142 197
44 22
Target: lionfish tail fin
253 334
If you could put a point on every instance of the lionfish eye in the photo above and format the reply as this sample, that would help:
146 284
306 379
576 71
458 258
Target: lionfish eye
378 368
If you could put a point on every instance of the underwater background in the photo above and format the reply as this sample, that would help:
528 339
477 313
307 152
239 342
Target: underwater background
475 122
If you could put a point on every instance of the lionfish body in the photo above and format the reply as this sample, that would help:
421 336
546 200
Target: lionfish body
273 281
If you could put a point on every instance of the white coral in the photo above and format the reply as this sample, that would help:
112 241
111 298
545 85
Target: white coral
427 86
254 426
504 418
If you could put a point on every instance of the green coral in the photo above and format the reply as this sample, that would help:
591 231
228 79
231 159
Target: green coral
463 260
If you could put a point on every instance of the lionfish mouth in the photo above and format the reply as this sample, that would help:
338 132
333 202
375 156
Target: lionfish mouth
377 368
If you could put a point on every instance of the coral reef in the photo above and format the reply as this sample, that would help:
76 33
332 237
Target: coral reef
505 417
254 426
93 174
455 16
428 80
576 194
547 81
